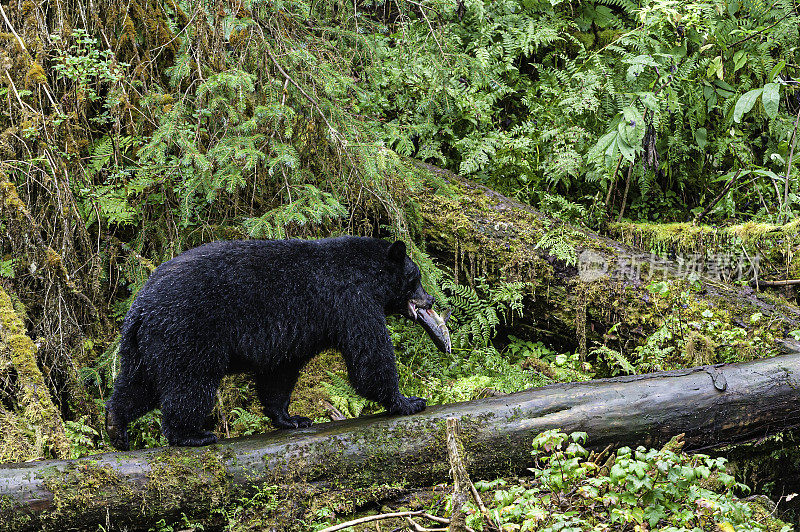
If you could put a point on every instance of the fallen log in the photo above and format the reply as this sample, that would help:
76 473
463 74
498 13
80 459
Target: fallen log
583 284
713 405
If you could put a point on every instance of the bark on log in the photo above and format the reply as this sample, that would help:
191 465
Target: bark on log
713 405
478 232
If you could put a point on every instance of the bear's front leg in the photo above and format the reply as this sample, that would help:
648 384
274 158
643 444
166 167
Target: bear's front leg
369 354
406 405
274 391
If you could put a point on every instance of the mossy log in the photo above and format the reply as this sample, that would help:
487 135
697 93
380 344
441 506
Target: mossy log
476 232
713 405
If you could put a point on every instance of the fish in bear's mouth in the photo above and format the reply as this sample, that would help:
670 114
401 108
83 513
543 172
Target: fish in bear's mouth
434 325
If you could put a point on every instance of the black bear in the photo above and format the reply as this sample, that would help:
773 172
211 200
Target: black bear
267 307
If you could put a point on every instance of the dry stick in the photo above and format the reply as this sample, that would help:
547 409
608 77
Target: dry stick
625 195
762 30
789 166
302 91
8 23
462 485
785 282
755 281
436 518
724 191
416 527
430 26
482 507
613 181
25 49
458 471
52 258
370 518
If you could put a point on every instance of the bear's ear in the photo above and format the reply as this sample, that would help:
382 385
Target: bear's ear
397 251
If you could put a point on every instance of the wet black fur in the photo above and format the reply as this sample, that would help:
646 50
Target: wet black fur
266 307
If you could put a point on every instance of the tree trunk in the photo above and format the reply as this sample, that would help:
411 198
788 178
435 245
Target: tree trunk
713 405
583 284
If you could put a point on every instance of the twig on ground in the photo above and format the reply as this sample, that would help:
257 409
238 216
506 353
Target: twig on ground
370 518
625 195
722 193
416 527
461 482
785 282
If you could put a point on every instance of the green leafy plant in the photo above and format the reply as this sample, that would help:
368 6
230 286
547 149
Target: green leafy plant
343 396
86 65
476 318
246 423
83 438
652 489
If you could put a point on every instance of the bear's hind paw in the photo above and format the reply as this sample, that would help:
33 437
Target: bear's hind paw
201 439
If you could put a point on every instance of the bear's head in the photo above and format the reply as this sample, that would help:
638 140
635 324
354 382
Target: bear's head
408 294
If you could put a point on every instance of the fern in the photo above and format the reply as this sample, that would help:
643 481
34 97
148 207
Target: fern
246 423
309 206
477 318
343 396
102 152
557 243
615 360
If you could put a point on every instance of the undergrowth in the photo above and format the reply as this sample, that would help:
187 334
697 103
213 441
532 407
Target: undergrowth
638 489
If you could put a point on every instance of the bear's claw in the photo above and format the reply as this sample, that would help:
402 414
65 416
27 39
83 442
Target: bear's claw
292 422
407 405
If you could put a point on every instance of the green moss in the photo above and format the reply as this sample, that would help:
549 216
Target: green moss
175 472
82 486
776 244
33 394
11 518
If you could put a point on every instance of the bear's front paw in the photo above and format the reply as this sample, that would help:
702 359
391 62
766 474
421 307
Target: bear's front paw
291 422
300 422
407 405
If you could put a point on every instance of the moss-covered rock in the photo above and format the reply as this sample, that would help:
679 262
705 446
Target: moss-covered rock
37 430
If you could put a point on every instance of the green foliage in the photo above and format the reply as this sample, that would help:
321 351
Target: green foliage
476 319
162 525
83 438
264 500
694 335
642 489
614 359
310 205
87 67
343 396
146 431
246 423
535 96
477 366
7 268
558 242
563 367
291 119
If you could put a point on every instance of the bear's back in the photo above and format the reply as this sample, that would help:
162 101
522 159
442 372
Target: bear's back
259 275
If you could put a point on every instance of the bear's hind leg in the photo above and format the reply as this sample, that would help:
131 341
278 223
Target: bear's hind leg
133 397
274 391
185 408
